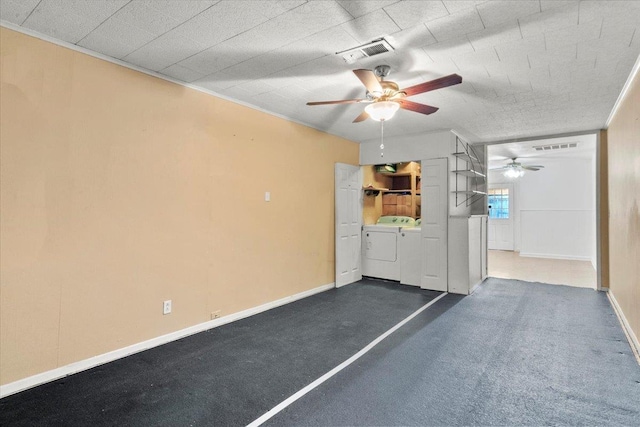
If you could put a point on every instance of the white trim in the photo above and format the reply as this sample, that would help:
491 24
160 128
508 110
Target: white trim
474 287
288 401
626 327
80 49
555 256
623 93
101 359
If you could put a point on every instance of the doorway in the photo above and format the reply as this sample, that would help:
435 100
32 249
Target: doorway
543 219
500 204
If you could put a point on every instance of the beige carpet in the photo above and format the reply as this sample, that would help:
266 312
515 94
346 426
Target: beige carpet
510 265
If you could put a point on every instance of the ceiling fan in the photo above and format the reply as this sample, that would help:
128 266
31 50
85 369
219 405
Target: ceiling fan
516 169
385 97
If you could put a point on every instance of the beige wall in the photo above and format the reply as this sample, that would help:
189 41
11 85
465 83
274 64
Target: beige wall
120 190
623 140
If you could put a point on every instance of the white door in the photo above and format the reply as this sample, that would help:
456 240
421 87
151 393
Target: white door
435 213
348 224
500 201
410 256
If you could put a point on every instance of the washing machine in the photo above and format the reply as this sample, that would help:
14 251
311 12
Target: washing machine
380 252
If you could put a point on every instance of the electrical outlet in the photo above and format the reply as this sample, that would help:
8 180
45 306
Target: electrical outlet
166 307
215 314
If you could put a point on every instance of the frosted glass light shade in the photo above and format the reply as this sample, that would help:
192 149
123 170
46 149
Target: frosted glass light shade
513 173
382 111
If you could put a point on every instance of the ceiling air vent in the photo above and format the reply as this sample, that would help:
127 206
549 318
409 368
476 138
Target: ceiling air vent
555 146
376 47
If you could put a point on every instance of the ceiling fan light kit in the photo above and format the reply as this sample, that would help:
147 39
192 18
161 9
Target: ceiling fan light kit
383 110
513 173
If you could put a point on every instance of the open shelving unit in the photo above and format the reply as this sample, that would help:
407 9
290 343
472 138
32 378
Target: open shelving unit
373 191
470 167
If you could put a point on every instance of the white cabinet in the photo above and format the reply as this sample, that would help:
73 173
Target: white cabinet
467 253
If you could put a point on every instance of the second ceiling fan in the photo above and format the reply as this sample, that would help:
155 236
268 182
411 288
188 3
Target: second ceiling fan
386 96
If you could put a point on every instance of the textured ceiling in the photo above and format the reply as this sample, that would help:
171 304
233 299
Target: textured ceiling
529 68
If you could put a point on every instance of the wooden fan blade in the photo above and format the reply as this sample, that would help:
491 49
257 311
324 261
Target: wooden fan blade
450 80
342 101
369 80
532 168
418 108
362 117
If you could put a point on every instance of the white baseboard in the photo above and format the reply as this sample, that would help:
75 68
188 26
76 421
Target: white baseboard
626 327
554 256
83 365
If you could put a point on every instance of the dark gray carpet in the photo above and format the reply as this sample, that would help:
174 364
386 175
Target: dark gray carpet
513 353
226 376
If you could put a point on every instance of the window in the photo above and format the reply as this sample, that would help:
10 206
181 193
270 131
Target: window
498 203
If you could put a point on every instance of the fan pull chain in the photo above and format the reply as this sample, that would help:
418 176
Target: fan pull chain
381 138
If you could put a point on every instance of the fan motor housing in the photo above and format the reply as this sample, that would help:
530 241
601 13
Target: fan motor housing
382 71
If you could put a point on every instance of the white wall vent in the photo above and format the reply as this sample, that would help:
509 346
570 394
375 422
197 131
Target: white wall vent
555 146
376 47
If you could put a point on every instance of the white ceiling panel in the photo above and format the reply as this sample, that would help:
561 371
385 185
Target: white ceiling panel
70 20
621 29
520 47
455 25
476 60
455 6
329 66
236 92
164 51
325 42
411 39
16 11
94 10
226 19
359 8
371 26
179 10
116 38
606 49
142 15
528 67
552 4
182 73
218 82
590 10
573 34
409 13
551 19
445 50
298 23
490 37
315 46
506 12
216 59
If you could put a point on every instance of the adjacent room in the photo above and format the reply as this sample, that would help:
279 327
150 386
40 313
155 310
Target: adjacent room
319 212
542 211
